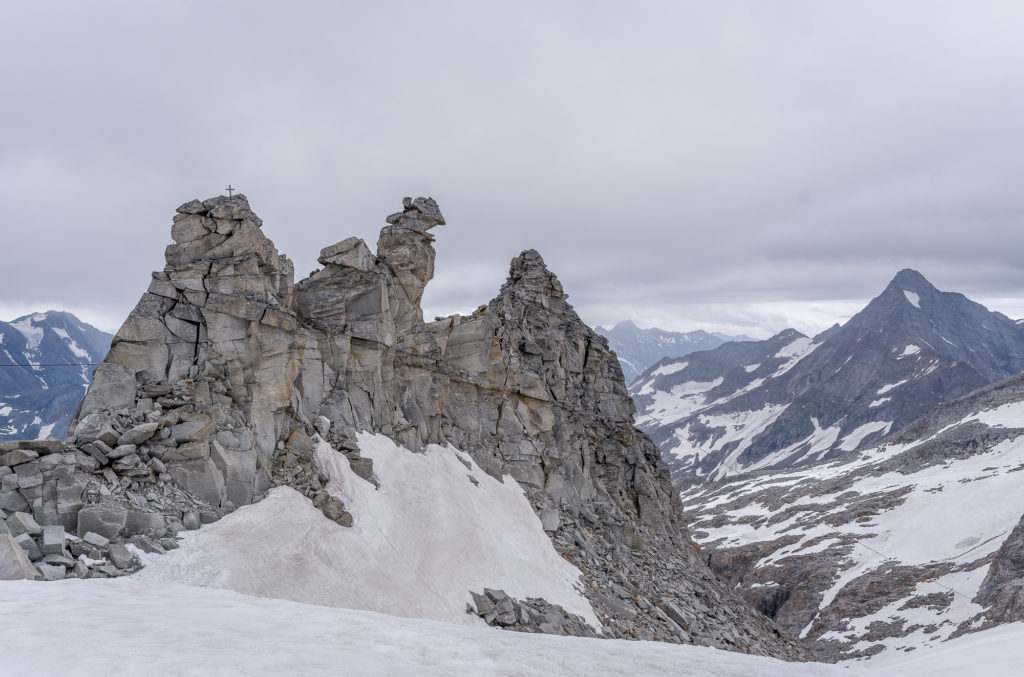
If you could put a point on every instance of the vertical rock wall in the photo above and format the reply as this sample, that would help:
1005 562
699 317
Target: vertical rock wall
226 368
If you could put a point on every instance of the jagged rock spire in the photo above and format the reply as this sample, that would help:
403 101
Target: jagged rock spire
225 369
405 248
420 214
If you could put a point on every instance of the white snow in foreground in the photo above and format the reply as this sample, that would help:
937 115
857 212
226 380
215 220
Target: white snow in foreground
418 545
177 630
915 300
123 627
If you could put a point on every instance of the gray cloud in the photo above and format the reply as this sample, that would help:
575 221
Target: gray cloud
741 166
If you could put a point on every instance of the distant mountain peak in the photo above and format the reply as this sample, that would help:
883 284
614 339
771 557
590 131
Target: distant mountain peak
790 400
638 349
48 358
787 334
909 280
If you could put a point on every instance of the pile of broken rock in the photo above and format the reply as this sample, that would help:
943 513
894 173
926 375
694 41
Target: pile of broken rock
73 509
496 607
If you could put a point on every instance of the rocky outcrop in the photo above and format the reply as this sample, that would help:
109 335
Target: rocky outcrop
529 615
227 370
1002 591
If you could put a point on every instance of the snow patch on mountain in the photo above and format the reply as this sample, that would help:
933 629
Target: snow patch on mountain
739 428
26 326
669 369
853 440
909 351
793 353
908 535
681 401
417 547
915 299
890 386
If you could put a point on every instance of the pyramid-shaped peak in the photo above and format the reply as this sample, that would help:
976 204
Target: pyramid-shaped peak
911 280
528 272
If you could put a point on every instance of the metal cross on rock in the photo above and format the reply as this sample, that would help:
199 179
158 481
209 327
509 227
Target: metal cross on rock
230 190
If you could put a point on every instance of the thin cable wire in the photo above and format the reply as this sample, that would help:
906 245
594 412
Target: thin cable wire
61 364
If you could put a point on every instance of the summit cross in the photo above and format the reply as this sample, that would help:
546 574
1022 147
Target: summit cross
230 190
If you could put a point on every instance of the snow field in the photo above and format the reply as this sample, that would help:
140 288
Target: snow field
949 516
177 631
417 547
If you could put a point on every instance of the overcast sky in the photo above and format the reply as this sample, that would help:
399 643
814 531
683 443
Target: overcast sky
740 167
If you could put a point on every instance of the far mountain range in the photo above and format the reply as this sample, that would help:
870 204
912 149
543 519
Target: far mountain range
637 349
45 368
793 400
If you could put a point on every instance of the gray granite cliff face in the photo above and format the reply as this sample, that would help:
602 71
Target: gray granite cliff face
227 369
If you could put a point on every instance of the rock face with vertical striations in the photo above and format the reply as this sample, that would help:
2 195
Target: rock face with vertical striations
227 371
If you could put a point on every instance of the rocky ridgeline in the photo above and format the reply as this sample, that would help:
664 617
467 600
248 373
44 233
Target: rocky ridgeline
226 371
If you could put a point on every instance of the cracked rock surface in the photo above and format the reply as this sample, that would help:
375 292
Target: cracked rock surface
227 370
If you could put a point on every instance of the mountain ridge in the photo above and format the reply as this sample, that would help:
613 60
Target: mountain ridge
910 348
895 547
637 349
38 394
230 382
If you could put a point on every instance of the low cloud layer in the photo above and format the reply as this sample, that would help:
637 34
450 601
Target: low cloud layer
731 166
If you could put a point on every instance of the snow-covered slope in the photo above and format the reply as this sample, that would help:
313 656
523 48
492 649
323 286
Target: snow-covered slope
891 550
637 349
437 528
792 400
177 630
37 401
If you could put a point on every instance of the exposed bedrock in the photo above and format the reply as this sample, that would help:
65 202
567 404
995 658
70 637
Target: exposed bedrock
227 369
